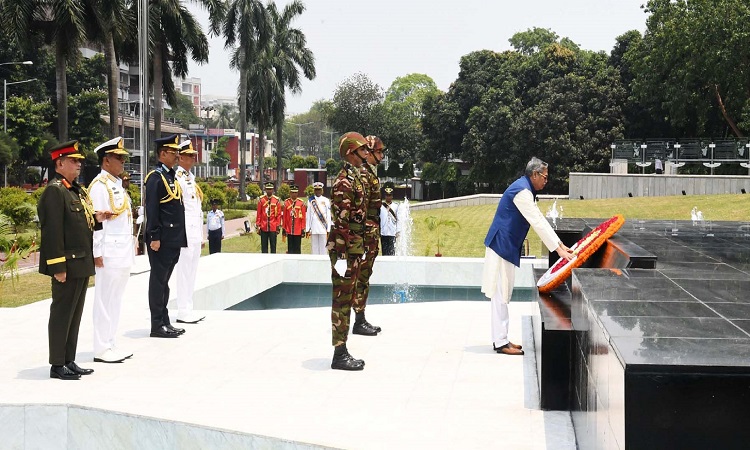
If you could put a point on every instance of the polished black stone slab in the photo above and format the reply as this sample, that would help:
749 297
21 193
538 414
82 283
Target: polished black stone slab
661 358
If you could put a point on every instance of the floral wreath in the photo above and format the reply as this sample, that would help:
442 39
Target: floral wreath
582 249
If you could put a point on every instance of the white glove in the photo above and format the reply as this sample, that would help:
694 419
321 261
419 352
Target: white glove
364 256
340 267
139 211
139 220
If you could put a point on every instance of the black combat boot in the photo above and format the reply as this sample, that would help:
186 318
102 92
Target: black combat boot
363 327
342 360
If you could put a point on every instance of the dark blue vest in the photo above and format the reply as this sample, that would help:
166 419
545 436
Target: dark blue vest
509 228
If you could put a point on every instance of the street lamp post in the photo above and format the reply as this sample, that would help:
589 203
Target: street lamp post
330 133
299 129
5 89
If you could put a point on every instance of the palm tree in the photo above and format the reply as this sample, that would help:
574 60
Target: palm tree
435 226
265 90
175 35
62 23
290 54
113 21
246 26
224 117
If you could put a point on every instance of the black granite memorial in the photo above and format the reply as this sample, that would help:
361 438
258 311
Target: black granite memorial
656 357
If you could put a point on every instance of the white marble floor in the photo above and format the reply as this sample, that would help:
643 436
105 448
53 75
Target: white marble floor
431 378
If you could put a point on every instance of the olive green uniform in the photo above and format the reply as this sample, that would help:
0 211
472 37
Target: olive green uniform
67 223
346 241
372 237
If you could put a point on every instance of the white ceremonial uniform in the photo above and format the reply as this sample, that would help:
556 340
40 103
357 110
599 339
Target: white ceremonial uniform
498 275
116 245
187 266
388 225
318 223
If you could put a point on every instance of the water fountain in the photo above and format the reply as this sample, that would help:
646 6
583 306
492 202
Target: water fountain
402 291
696 215
554 214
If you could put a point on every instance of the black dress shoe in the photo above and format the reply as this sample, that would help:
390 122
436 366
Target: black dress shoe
77 369
374 327
175 330
163 332
63 373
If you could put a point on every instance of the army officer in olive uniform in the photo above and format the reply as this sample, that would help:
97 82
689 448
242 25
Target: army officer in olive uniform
67 220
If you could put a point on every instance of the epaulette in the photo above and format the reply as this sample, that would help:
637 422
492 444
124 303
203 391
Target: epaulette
149 174
56 181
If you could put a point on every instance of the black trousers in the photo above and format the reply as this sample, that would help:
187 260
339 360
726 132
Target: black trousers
214 241
388 245
65 319
267 237
162 265
294 244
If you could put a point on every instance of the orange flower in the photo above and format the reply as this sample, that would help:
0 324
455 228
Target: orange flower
582 250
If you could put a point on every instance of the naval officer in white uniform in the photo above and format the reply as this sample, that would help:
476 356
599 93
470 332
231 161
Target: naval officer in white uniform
187 266
318 219
113 249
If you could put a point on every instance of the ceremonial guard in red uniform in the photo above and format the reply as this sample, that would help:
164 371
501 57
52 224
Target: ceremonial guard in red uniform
294 217
268 219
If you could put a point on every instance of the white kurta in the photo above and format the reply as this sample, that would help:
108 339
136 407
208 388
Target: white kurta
187 266
114 243
493 271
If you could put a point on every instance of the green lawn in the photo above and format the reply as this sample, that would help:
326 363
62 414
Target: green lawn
468 239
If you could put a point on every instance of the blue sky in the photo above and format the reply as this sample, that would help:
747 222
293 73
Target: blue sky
386 39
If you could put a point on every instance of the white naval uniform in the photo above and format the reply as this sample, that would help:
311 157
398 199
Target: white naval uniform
116 245
317 229
187 265
388 225
498 275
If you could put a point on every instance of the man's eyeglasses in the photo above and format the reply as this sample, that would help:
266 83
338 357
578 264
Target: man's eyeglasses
119 157
542 175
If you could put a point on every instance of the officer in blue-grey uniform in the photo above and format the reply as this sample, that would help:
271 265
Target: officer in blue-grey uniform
165 233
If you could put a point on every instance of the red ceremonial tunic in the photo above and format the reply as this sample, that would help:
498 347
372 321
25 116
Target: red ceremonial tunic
268 215
294 217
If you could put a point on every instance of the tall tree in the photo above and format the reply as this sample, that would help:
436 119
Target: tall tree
176 36
113 21
357 105
290 54
402 115
62 22
263 92
246 30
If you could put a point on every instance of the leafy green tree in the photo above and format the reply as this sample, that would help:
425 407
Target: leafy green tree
62 22
357 105
296 161
182 112
17 205
220 157
269 162
27 125
265 89
333 167
8 149
311 162
86 109
436 226
693 60
291 56
402 115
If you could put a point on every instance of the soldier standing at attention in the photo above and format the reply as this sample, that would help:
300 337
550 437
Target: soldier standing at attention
318 219
114 249
293 220
165 234
372 237
67 220
268 218
346 243
390 227
215 227
187 266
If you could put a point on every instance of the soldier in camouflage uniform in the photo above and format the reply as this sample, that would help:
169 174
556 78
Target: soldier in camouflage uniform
346 243
372 237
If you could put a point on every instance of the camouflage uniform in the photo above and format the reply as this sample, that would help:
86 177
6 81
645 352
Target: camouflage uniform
372 237
346 241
